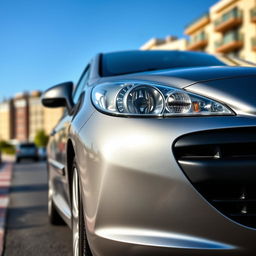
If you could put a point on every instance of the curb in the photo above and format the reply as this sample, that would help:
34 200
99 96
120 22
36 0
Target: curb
5 183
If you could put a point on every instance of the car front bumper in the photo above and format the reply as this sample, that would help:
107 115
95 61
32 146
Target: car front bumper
27 156
138 200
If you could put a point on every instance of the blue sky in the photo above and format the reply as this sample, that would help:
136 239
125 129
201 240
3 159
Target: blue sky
50 41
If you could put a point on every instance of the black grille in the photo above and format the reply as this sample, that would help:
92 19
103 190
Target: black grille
216 151
221 164
235 201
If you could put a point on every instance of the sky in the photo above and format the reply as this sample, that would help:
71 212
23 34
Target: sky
46 42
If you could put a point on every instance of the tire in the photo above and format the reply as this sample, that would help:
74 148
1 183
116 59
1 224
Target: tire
80 242
53 215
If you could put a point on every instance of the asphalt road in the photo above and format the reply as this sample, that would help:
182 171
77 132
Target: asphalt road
28 230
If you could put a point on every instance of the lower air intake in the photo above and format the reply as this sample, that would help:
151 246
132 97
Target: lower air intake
221 164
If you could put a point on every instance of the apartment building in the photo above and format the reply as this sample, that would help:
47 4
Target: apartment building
36 114
229 27
6 120
199 31
168 43
41 118
23 116
51 117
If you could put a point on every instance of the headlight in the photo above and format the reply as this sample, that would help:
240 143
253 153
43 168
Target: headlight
147 99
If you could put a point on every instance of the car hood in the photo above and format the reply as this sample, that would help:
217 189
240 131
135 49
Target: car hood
184 77
234 86
239 92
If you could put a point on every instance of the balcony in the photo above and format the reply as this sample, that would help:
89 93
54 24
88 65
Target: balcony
230 42
222 5
229 20
198 42
197 24
254 44
253 15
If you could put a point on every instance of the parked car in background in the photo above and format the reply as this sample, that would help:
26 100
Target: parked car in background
156 155
26 151
42 155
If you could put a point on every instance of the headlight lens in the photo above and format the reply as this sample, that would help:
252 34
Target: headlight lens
178 102
146 99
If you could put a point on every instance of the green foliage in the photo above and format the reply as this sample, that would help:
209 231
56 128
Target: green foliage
7 148
4 144
41 139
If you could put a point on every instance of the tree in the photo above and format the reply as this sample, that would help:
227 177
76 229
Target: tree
7 148
41 139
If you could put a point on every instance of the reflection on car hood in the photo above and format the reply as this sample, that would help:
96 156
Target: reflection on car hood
183 77
238 92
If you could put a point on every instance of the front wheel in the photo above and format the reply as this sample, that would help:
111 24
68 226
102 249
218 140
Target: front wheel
80 242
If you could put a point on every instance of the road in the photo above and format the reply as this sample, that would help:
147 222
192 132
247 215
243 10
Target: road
28 230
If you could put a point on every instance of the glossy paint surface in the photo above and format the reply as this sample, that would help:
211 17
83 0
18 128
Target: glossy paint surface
137 200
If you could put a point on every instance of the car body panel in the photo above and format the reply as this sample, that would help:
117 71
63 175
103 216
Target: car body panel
241 98
57 155
137 200
122 180
183 77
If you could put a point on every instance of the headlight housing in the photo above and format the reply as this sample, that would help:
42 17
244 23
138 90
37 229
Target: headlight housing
153 100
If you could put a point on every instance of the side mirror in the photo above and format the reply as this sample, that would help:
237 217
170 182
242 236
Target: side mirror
59 96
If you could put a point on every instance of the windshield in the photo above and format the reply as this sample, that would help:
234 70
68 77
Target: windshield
120 63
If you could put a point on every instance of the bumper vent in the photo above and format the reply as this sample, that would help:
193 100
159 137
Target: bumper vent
221 164
235 201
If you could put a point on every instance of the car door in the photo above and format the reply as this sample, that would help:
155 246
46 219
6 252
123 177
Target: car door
61 133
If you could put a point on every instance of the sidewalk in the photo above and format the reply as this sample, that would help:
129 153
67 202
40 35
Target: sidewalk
5 182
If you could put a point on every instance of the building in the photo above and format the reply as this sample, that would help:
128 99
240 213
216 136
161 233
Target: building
199 31
51 118
41 118
168 43
36 114
6 120
21 117
229 27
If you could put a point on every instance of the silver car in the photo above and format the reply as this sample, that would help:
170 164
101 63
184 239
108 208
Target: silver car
26 150
156 155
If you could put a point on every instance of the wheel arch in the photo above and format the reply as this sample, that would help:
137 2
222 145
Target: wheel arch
70 159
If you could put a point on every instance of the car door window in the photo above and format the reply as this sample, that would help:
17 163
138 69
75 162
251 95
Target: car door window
81 84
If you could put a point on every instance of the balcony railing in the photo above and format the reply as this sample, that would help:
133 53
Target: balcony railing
229 20
197 24
253 15
197 42
254 43
230 42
